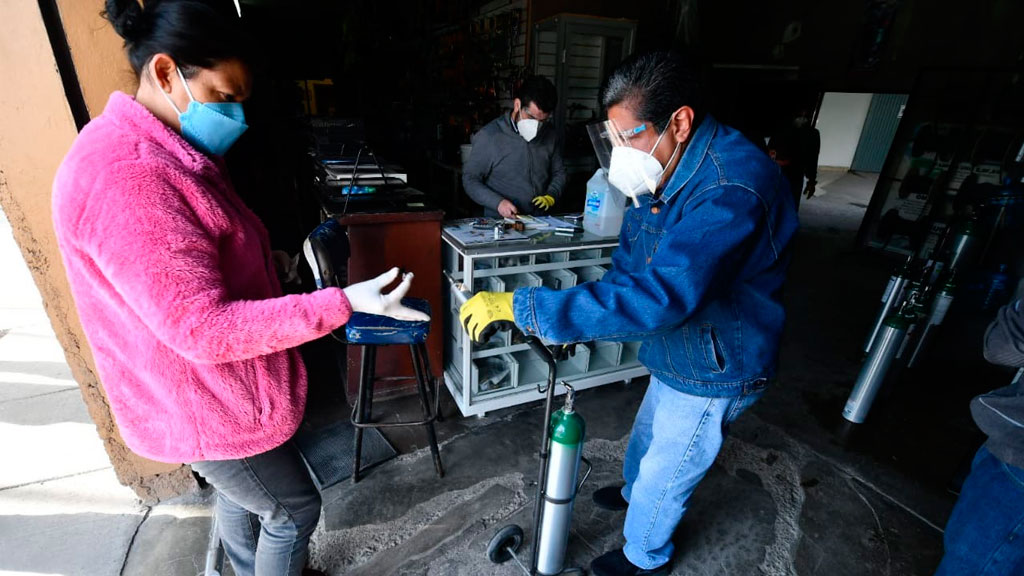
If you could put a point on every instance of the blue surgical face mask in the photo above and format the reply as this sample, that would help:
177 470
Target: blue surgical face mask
212 128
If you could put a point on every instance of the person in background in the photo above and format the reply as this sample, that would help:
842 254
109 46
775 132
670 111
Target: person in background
795 149
515 165
177 288
697 277
985 533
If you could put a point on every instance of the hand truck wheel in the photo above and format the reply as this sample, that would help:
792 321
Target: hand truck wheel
505 543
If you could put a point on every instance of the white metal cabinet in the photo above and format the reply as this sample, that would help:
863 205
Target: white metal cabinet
504 372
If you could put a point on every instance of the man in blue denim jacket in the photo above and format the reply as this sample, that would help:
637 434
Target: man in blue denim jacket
984 532
697 278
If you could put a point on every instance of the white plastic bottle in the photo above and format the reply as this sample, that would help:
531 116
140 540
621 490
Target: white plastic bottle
605 206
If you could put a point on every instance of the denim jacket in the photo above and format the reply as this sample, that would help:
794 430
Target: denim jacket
697 277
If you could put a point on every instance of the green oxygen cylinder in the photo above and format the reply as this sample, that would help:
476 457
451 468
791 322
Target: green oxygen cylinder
967 246
892 297
568 431
940 307
876 367
916 312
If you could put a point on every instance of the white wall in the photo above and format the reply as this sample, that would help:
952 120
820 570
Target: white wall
840 121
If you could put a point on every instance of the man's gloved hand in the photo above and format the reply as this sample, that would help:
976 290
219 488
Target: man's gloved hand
486 313
544 202
367 297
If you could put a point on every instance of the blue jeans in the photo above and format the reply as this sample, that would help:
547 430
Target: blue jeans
267 508
985 533
675 440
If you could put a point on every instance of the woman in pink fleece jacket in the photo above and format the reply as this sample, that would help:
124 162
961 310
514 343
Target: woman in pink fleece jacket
176 286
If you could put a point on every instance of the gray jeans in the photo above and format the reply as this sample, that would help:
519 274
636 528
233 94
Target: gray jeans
267 508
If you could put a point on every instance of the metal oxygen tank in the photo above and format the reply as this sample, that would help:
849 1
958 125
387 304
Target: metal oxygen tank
915 296
891 299
966 246
915 312
566 449
936 316
876 367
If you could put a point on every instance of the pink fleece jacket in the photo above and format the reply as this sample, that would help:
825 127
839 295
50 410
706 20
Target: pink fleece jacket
176 290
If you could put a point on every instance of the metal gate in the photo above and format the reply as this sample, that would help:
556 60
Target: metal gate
883 118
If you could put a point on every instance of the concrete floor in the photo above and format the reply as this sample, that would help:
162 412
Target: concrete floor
785 496
62 510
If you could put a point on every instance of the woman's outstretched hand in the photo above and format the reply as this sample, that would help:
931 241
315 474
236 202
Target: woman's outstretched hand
368 297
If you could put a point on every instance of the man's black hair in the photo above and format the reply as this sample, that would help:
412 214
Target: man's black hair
540 91
653 86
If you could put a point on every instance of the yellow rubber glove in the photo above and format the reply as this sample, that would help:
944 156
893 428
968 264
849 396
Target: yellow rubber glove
486 313
544 202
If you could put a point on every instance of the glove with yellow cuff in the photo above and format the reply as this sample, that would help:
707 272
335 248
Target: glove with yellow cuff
487 313
544 202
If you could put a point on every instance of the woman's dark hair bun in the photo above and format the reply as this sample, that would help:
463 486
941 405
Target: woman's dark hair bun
194 33
126 16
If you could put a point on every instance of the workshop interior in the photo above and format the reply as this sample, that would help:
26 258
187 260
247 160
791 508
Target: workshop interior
382 135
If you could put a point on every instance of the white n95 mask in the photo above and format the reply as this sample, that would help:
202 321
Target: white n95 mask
636 172
528 128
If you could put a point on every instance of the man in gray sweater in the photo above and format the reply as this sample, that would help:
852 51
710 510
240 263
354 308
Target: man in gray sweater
985 533
515 166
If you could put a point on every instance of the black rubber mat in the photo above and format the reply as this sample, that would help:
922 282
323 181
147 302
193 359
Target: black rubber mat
329 451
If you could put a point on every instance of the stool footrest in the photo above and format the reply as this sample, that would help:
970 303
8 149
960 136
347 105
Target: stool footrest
431 420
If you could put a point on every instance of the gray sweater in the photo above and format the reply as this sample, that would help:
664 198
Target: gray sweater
502 166
1000 414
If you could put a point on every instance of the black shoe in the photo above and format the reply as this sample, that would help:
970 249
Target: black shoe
610 498
615 563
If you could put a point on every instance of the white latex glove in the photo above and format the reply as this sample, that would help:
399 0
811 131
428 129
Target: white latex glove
367 297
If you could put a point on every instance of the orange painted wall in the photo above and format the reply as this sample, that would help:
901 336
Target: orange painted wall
36 130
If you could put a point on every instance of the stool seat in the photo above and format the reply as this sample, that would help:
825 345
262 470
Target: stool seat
374 330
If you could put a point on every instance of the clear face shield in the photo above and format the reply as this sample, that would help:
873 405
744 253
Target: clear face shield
634 172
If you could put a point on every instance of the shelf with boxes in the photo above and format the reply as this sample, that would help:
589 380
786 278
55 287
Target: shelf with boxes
503 371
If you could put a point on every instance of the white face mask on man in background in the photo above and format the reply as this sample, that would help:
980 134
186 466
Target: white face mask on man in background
526 126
